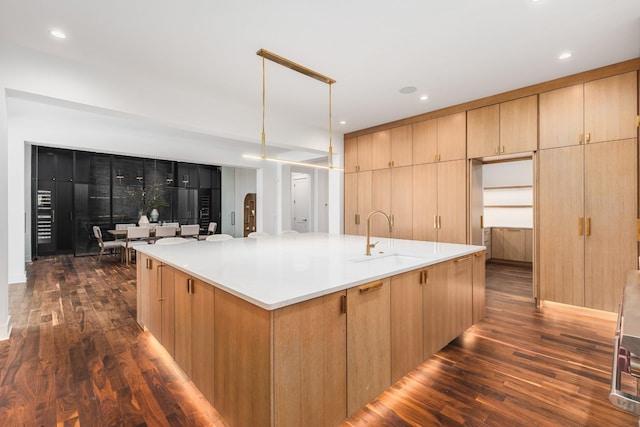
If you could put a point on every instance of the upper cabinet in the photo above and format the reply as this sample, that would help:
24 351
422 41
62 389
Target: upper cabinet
440 139
505 128
357 154
401 146
483 131
598 111
610 108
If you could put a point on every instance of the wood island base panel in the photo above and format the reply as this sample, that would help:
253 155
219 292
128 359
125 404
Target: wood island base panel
305 329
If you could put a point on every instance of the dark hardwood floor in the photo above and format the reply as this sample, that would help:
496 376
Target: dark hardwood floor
78 358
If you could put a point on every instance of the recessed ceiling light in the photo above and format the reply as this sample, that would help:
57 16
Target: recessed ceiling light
424 98
565 55
58 34
407 89
343 122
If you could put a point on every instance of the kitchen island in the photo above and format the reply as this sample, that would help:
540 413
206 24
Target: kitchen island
305 329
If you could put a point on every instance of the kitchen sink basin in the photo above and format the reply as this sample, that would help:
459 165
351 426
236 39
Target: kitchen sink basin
389 258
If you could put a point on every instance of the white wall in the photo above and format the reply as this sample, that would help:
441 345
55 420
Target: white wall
5 319
508 174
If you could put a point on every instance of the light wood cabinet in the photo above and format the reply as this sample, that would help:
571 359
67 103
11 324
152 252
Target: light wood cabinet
401 146
519 125
242 361
452 202
407 332
506 128
391 148
357 202
598 111
487 241
611 108
512 244
368 343
156 300
350 155
439 140
194 329
391 193
593 187
483 131
562 117
460 297
439 202
357 154
381 149
479 286
435 302
309 347
318 361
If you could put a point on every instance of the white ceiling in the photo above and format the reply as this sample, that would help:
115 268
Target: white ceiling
451 50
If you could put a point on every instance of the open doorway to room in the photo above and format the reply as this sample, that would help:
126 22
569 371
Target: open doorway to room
502 215
301 201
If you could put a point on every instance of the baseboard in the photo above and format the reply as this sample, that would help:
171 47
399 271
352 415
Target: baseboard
18 278
5 329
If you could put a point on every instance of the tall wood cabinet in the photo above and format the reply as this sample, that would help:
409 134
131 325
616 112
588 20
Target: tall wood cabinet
439 202
357 202
587 211
588 191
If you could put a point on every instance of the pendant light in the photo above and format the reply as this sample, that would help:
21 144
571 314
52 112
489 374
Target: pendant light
265 54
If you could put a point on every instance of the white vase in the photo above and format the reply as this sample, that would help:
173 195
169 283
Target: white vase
154 215
143 221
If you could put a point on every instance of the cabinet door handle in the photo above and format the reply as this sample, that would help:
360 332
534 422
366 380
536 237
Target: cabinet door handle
149 263
357 219
580 138
481 221
435 221
478 254
189 286
424 277
371 287
588 227
502 150
462 259
439 221
343 304
588 139
158 280
580 226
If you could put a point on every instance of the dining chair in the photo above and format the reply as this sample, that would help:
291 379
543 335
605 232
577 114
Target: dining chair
212 228
165 231
109 244
190 231
123 227
172 224
258 234
171 241
136 236
219 237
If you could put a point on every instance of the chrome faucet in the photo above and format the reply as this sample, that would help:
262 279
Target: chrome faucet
373 245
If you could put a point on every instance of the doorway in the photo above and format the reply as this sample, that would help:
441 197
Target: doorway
301 201
502 211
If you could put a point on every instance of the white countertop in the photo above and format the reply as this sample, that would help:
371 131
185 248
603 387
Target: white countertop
276 271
